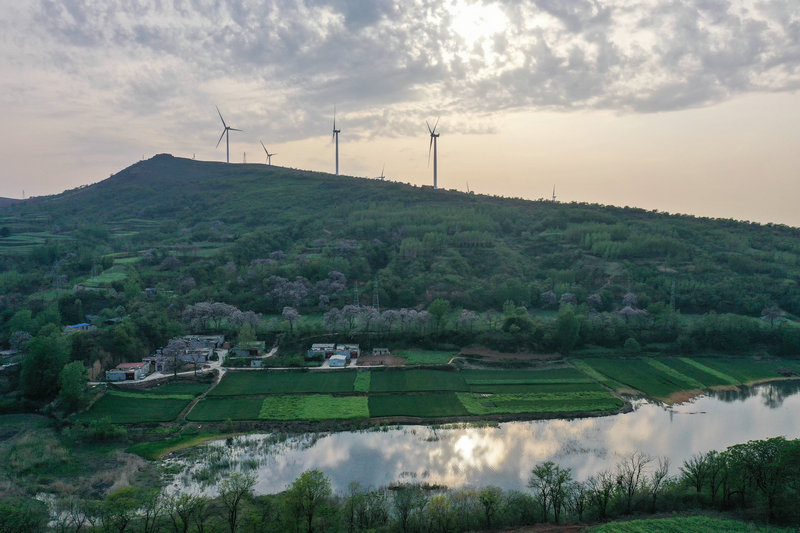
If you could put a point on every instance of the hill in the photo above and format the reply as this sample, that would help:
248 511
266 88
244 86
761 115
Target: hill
476 251
5 202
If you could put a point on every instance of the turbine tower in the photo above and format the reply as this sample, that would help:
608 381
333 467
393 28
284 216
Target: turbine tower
383 177
554 193
335 138
269 155
225 134
434 137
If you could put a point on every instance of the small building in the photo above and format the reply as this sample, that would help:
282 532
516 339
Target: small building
250 349
324 350
339 361
381 351
352 350
83 326
128 372
256 363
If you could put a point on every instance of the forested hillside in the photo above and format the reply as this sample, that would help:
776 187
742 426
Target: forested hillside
266 238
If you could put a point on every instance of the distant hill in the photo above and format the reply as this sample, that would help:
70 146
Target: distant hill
5 202
476 251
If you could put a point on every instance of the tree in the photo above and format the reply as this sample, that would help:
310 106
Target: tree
439 308
567 329
307 494
694 471
407 500
232 492
601 488
629 476
550 485
657 479
491 499
291 315
72 385
246 335
45 356
185 509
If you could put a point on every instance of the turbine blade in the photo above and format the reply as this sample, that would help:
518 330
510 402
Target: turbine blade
220 117
221 136
234 129
430 146
437 123
429 127
264 147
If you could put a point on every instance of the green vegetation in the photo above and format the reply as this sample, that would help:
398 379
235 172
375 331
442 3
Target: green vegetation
553 402
215 408
313 407
416 380
244 383
425 405
122 408
362 382
688 524
425 357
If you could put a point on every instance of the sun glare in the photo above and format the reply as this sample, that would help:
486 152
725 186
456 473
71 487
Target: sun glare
475 21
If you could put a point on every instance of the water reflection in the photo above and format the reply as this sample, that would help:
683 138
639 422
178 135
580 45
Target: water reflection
501 455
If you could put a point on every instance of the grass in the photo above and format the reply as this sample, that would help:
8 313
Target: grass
235 407
639 374
416 380
690 382
518 377
552 402
425 357
423 405
313 407
157 449
745 369
123 409
244 383
707 375
362 382
689 524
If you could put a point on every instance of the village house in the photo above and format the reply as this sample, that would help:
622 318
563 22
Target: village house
339 360
323 350
250 349
351 350
83 326
128 372
381 351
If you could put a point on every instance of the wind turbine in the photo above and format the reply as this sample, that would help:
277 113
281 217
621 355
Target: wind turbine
336 139
269 155
382 169
554 193
434 137
225 134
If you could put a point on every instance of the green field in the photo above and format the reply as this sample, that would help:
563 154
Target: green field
416 380
362 382
689 524
424 405
552 402
425 357
641 375
284 382
224 408
122 409
313 407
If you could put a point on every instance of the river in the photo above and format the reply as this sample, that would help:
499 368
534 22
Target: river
501 454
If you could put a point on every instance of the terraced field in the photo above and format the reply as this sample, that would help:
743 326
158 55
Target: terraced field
663 377
585 386
160 404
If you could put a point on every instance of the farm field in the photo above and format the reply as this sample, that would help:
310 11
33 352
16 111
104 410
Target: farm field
431 393
425 357
281 382
531 402
423 405
313 407
159 404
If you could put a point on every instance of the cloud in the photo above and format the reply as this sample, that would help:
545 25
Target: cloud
388 65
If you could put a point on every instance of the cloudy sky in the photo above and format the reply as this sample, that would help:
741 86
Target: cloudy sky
676 105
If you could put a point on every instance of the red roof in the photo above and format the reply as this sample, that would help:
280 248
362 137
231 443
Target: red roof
126 366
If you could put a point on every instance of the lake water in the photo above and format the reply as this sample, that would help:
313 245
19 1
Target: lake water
502 455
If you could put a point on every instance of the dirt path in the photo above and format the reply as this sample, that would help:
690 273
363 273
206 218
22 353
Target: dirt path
188 409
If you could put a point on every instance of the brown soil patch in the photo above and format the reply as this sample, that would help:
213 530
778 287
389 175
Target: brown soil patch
380 360
489 354
683 396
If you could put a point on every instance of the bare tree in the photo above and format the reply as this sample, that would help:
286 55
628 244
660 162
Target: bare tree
601 488
291 315
629 476
657 479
